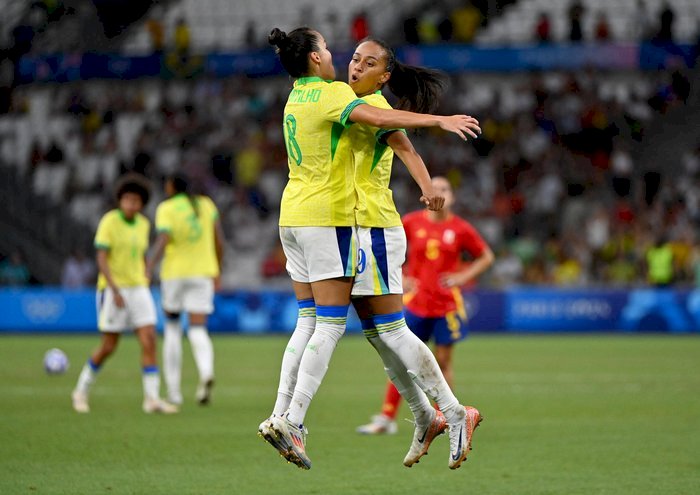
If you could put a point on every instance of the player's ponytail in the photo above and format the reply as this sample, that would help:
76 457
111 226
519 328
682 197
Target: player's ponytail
418 89
293 49
181 186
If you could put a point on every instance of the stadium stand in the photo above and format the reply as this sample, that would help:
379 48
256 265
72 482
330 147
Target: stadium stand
568 179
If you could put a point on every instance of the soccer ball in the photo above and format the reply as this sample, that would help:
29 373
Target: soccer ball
55 362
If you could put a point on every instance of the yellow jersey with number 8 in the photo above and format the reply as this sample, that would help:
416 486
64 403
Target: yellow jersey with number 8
320 191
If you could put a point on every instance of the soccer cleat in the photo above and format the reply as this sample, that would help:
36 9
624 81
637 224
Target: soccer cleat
293 441
380 425
203 393
158 405
423 437
461 433
266 432
80 402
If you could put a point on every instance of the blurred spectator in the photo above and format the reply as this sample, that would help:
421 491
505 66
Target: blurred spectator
14 271
507 268
181 39
250 36
78 271
249 163
576 11
621 272
665 32
410 29
359 27
428 21
659 263
642 24
621 169
543 28
156 32
274 263
445 28
466 20
601 31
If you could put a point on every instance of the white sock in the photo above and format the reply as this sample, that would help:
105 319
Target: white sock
87 377
417 400
151 382
172 358
419 361
306 322
203 351
330 326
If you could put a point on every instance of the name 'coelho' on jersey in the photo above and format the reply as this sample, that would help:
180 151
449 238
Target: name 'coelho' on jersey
305 95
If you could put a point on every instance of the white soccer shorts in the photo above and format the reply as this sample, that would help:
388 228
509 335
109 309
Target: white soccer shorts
381 254
139 309
319 253
191 294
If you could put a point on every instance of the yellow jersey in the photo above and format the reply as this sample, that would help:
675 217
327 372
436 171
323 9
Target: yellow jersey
191 251
373 159
126 243
320 190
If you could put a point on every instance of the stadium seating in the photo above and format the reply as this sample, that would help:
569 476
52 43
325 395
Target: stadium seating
517 24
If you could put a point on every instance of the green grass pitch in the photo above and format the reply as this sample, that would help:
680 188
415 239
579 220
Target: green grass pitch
564 415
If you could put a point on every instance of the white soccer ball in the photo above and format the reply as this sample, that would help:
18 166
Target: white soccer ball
55 362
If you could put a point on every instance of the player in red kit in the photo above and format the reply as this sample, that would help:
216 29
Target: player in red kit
433 274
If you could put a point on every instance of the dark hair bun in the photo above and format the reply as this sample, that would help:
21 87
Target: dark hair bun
277 38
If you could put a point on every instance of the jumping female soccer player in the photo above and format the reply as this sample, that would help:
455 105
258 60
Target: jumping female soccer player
317 220
433 275
123 298
378 285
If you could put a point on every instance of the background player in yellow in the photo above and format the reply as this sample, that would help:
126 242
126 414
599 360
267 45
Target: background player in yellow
190 235
378 289
124 300
317 220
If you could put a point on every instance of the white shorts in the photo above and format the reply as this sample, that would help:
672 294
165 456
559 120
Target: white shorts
319 253
381 254
139 309
191 294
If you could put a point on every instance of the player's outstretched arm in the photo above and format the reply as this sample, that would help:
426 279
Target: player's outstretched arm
403 148
462 125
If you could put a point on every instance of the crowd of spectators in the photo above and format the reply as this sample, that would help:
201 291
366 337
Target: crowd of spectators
552 183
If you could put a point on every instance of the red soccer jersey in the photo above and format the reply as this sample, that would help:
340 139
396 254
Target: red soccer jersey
435 249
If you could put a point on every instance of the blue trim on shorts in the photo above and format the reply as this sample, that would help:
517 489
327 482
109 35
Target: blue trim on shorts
344 237
379 252
435 328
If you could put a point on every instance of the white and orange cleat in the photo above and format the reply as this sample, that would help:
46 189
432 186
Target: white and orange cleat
423 437
461 433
